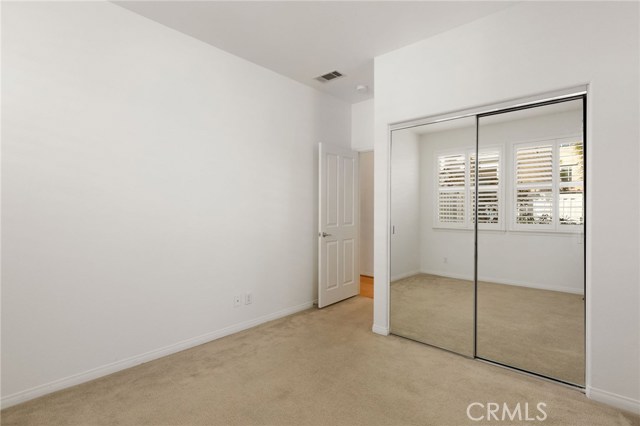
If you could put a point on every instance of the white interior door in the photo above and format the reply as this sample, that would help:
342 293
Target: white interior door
339 269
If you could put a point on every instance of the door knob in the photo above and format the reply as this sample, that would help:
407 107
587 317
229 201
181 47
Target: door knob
324 234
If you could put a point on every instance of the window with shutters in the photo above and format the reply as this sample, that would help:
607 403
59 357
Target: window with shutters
456 189
534 184
452 188
570 183
548 185
489 199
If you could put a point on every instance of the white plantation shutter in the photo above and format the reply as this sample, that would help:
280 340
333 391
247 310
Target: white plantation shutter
456 189
570 182
534 200
488 206
534 165
451 172
451 206
488 187
546 179
452 180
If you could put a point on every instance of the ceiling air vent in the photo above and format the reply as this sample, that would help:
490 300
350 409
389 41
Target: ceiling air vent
329 76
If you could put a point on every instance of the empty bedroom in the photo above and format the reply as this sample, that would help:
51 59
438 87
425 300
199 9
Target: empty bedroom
320 213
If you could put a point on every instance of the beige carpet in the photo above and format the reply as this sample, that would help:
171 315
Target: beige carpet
535 330
320 367
434 310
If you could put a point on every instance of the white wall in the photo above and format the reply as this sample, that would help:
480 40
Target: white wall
362 126
147 179
365 168
362 138
405 205
528 49
551 261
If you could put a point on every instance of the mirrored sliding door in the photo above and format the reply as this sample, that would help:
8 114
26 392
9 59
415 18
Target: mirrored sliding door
432 234
487 253
530 239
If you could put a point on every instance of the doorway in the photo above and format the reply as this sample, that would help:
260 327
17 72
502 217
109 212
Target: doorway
366 224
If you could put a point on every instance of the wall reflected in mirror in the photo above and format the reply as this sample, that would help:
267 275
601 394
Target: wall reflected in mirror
530 295
432 238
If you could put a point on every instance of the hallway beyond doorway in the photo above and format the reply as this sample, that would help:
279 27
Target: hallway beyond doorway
366 286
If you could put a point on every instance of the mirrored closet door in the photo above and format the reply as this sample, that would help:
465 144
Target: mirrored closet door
487 236
530 260
432 238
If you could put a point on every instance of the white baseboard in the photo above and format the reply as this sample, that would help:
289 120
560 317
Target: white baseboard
449 275
615 400
403 275
378 329
76 379
507 282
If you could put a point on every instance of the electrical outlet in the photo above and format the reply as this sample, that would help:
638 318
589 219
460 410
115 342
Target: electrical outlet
445 260
237 301
248 298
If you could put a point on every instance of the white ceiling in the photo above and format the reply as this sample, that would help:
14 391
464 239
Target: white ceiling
305 39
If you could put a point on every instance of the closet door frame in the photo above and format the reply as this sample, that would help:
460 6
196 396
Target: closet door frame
558 96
